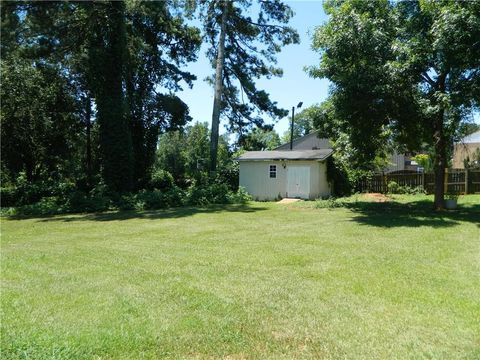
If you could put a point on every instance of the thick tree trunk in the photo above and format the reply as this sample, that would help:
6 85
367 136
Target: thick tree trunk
217 101
88 122
107 68
440 162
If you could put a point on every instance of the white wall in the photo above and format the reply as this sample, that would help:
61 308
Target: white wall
254 177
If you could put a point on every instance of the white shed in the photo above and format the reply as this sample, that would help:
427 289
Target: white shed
296 173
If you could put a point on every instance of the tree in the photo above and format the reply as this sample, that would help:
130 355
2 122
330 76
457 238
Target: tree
242 50
260 139
305 122
38 119
122 58
159 46
185 153
107 56
405 70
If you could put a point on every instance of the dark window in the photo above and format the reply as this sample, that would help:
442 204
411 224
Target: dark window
273 171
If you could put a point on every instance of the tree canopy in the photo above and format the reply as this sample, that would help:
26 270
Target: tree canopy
402 71
242 48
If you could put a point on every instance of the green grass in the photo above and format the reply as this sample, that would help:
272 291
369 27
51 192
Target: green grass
365 280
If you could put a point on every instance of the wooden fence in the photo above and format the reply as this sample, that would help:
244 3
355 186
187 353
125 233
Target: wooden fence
459 181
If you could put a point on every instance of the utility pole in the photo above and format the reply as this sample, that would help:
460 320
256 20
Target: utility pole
293 120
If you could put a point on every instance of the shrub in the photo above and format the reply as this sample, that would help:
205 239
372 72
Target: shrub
150 200
241 196
174 196
208 194
393 187
101 199
161 180
329 203
79 201
46 206
8 196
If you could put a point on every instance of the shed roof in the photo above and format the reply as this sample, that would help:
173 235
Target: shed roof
317 155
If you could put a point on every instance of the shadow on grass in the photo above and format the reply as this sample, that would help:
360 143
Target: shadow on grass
147 214
415 213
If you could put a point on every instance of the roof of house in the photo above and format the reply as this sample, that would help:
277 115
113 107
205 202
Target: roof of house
472 138
307 142
317 155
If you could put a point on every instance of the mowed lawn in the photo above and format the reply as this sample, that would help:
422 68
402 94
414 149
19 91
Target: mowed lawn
262 280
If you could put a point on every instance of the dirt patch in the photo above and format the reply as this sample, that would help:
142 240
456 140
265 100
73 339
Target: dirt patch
288 201
376 197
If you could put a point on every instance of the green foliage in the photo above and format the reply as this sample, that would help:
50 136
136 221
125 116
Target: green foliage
330 203
185 155
338 177
241 196
57 55
394 188
259 139
425 161
452 195
208 194
156 199
313 118
38 117
404 71
161 180
101 198
107 55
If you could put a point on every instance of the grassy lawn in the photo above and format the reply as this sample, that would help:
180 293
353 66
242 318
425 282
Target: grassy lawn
367 280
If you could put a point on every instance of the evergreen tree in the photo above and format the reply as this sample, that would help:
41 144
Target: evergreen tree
242 50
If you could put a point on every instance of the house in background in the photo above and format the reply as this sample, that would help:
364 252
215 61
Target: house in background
281 173
401 162
466 150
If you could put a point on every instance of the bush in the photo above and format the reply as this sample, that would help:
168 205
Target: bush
393 187
156 199
241 196
101 199
161 180
8 196
329 203
46 206
79 201
208 194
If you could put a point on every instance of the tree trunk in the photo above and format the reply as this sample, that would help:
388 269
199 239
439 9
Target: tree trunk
439 162
217 101
107 60
88 122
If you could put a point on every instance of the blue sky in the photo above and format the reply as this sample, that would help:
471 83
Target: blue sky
289 90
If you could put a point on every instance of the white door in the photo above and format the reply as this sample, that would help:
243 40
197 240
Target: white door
298 182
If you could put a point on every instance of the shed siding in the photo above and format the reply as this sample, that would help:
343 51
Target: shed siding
254 177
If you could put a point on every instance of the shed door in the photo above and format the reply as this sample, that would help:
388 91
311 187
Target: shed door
298 182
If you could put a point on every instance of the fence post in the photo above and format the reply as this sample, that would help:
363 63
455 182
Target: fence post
445 182
423 181
466 181
384 183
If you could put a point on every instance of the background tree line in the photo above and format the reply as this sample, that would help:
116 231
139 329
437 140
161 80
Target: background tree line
89 89
89 92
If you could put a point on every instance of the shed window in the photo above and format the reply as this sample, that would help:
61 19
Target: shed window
273 171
